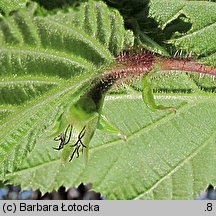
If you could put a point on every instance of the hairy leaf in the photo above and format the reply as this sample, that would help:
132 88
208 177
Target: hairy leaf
166 156
200 38
6 6
50 63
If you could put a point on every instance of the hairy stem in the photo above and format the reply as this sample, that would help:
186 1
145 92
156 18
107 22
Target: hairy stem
129 65
184 65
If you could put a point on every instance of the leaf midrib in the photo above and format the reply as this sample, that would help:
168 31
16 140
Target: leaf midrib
25 82
50 55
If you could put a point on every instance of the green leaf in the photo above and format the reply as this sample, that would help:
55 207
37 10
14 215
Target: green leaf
7 6
200 38
183 27
45 65
165 156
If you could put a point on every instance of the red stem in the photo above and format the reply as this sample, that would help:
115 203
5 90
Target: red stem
184 65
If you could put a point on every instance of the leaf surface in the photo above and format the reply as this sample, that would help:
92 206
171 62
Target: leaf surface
8 6
45 65
50 61
166 156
